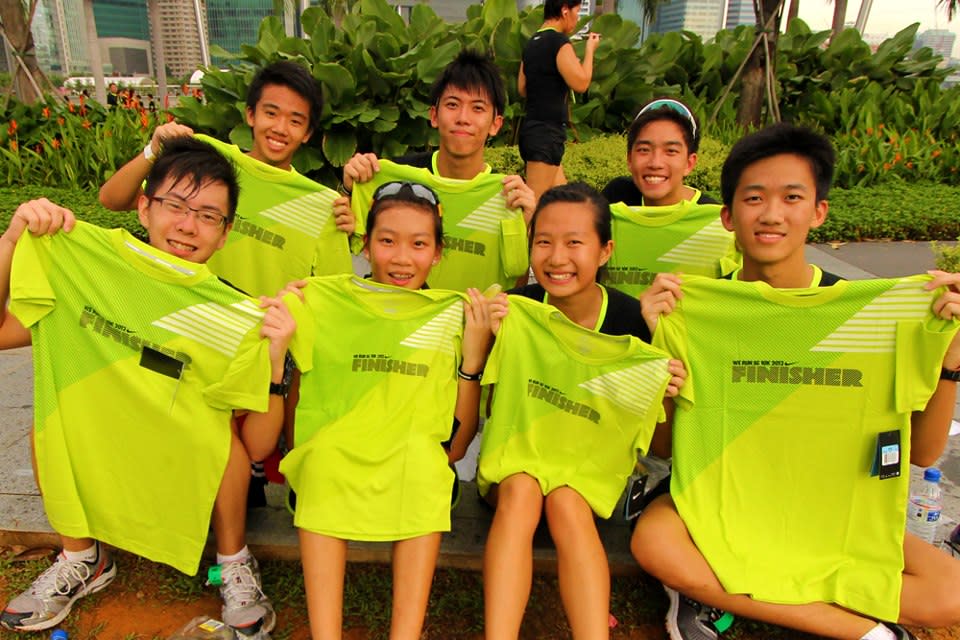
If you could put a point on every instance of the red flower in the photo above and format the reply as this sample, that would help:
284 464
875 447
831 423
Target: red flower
86 124
12 128
46 112
70 106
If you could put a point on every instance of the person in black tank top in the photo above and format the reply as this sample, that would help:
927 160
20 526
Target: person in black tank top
548 71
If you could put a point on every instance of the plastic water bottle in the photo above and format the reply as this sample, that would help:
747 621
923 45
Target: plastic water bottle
926 501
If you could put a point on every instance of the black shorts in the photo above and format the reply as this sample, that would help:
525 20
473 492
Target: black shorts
542 141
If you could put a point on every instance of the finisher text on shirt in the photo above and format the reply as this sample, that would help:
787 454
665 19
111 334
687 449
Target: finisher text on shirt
536 389
376 362
785 373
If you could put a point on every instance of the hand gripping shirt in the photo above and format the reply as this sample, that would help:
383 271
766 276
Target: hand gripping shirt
284 229
139 360
776 432
571 406
484 241
686 237
377 396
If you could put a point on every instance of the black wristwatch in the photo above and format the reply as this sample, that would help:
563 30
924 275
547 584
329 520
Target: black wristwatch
280 388
949 374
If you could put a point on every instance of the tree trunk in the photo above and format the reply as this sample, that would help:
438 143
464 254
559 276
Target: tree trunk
839 17
93 49
793 11
159 60
753 82
16 20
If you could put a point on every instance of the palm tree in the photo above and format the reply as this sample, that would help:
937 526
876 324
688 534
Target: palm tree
15 21
952 6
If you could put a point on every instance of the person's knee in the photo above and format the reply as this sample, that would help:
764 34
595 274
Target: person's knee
568 514
520 499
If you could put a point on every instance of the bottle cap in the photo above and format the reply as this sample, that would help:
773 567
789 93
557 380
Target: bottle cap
59 634
213 576
932 474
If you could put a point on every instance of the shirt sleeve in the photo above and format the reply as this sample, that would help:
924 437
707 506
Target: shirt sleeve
31 296
671 336
246 382
919 357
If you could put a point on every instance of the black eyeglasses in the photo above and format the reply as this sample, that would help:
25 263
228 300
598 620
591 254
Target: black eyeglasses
395 190
673 105
179 209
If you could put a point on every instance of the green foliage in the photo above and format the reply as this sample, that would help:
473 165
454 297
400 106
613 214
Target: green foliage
894 211
946 256
58 143
83 203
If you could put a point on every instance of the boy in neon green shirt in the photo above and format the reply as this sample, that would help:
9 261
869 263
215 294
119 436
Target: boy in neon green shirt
142 359
775 184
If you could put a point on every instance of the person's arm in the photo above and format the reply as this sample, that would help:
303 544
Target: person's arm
930 428
477 338
261 430
577 75
522 82
122 191
39 217
661 443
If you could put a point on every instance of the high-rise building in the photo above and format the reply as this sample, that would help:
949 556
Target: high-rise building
940 40
123 34
180 36
232 23
740 12
59 33
703 17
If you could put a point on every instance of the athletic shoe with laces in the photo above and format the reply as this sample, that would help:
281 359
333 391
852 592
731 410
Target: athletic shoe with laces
52 594
245 607
900 632
690 620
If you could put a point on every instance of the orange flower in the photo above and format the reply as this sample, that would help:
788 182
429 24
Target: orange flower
46 112
86 124
14 146
909 165
83 109
897 158
936 153
55 143
880 126
70 107
12 128
887 166
83 99
60 121
869 131
144 121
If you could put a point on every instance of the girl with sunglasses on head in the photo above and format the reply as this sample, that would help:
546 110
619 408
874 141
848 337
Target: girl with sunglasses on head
388 398
569 244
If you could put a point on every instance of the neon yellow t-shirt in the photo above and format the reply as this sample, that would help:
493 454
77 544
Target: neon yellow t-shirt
777 427
139 360
377 397
284 229
572 406
686 237
484 241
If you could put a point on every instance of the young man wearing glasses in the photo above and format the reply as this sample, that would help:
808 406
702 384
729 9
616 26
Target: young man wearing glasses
143 360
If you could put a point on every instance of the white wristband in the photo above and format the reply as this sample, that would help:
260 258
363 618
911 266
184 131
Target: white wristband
148 152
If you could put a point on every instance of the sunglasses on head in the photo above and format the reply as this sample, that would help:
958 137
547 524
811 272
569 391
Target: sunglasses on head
395 190
673 105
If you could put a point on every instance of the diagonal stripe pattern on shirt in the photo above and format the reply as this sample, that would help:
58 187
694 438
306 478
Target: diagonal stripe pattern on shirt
438 333
488 215
873 329
214 325
307 213
702 248
634 388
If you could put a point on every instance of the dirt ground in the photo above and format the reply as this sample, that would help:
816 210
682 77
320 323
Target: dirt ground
150 602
